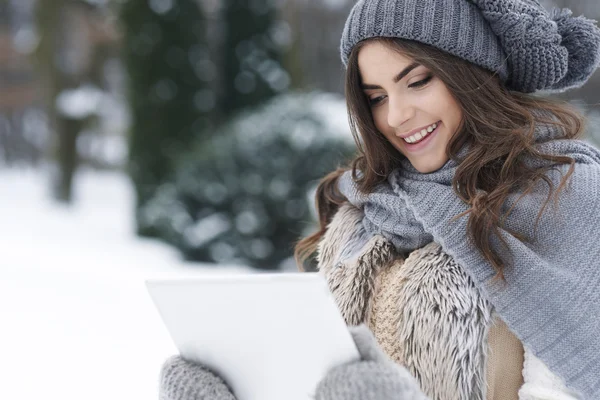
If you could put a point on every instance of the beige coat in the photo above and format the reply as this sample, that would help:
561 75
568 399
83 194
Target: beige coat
427 315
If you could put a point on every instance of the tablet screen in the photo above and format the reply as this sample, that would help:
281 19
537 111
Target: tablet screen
269 336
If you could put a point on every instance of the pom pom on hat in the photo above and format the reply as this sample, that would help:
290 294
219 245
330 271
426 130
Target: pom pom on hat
581 37
546 51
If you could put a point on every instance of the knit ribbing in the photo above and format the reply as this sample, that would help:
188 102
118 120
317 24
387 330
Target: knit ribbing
529 48
384 315
462 26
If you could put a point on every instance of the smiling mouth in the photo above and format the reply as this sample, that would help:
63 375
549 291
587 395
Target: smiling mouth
421 136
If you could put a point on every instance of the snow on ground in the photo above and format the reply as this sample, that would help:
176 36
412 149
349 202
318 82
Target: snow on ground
76 321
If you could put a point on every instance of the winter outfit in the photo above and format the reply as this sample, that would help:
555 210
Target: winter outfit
398 264
430 318
553 282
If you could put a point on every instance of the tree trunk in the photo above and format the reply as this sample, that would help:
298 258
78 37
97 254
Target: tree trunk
66 157
50 21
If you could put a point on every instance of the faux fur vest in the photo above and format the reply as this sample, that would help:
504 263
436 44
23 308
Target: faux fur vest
439 325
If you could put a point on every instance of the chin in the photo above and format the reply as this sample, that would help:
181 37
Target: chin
427 168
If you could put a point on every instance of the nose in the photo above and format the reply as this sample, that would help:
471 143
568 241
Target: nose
399 112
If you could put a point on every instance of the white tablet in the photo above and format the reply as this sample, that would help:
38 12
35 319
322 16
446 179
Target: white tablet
270 336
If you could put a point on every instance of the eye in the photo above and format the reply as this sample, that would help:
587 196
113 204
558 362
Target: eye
375 100
421 83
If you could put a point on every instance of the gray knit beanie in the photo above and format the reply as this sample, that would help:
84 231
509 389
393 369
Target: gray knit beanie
528 47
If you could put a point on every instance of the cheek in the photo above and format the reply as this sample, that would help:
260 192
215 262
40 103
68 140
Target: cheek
439 102
449 108
435 104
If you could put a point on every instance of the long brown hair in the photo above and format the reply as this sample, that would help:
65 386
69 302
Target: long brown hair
498 124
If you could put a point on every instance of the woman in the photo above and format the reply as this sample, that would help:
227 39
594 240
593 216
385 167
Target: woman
465 233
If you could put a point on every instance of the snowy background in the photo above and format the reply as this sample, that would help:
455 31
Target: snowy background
77 94
77 321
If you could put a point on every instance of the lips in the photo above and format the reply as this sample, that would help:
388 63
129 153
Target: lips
424 142
423 138
420 130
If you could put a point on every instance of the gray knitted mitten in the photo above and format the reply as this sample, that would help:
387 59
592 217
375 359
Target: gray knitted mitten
375 377
183 380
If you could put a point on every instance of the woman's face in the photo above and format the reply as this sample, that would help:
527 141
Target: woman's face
407 100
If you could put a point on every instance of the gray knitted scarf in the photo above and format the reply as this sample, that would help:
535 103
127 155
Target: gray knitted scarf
552 297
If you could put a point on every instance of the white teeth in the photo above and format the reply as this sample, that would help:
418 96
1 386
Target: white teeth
420 135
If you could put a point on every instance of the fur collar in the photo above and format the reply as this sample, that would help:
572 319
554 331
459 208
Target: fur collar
440 323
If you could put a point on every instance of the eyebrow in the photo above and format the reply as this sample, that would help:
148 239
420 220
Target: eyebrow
396 79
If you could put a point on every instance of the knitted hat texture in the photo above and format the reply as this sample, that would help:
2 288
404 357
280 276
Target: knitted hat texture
528 47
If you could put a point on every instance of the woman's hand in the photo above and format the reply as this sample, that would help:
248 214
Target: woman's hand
184 380
375 377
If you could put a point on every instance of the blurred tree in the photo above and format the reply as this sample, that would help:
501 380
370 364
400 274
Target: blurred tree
18 94
253 47
169 68
74 44
57 76
245 196
317 28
